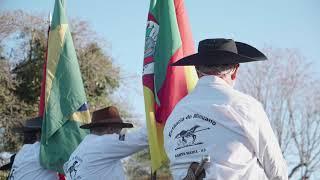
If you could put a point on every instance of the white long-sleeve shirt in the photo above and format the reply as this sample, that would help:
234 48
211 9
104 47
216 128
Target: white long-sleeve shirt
229 126
98 157
26 165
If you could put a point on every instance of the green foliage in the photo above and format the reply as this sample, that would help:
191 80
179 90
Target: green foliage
3 175
139 165
28 72
11 110
99 74
21 73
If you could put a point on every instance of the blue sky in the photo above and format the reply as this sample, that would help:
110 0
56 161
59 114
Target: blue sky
278 23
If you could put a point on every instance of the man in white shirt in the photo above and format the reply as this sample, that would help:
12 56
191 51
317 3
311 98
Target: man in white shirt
219 122
26 164
98 155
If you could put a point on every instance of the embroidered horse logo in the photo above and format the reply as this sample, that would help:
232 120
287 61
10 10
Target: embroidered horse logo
185 136
73 169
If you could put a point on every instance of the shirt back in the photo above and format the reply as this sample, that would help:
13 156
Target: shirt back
218 121
26 165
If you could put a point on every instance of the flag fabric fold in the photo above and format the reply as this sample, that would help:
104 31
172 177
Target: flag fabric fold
168 39
65 106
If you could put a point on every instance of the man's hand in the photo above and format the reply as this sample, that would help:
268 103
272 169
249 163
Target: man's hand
191 175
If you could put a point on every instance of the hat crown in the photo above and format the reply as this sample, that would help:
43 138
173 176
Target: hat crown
221 51
106 117
108 114
218 44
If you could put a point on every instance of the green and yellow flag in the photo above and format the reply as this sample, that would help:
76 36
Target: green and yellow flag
65 99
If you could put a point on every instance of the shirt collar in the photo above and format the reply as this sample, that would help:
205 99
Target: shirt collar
212 80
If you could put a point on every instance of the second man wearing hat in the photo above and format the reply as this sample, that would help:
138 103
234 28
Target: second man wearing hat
98 155
26 164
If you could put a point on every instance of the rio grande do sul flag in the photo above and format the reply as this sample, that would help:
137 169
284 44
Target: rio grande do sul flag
168 39
65 100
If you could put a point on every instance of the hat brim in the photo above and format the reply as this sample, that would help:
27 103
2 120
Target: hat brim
26 129
6 167
107 124
33 124
246 53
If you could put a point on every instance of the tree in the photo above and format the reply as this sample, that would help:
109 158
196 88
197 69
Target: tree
10 108
28 72
100 76
21 71
286 88
305 126
138 167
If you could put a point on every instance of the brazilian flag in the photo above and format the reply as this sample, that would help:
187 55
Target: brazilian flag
65 99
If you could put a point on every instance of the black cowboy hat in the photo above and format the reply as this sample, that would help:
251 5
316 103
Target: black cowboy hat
33 124
9 165
106 117
221 52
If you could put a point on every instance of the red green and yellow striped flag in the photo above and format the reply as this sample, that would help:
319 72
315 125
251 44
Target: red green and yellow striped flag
65 99
168 39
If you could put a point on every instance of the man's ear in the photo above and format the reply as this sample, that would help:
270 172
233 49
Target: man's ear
234 74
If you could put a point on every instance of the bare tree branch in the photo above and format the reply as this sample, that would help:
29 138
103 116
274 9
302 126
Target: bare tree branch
285 87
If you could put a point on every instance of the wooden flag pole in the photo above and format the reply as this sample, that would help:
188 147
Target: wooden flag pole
153 175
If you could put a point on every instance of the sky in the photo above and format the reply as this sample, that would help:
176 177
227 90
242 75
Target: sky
277 23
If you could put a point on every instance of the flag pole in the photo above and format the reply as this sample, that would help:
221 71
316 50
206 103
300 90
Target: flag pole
43 81
153 175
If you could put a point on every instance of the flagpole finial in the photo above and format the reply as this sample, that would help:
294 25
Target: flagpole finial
49 18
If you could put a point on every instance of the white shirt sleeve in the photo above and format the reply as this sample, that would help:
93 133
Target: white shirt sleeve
269 153
134 142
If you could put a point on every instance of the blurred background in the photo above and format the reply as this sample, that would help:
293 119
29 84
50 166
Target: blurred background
109 41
